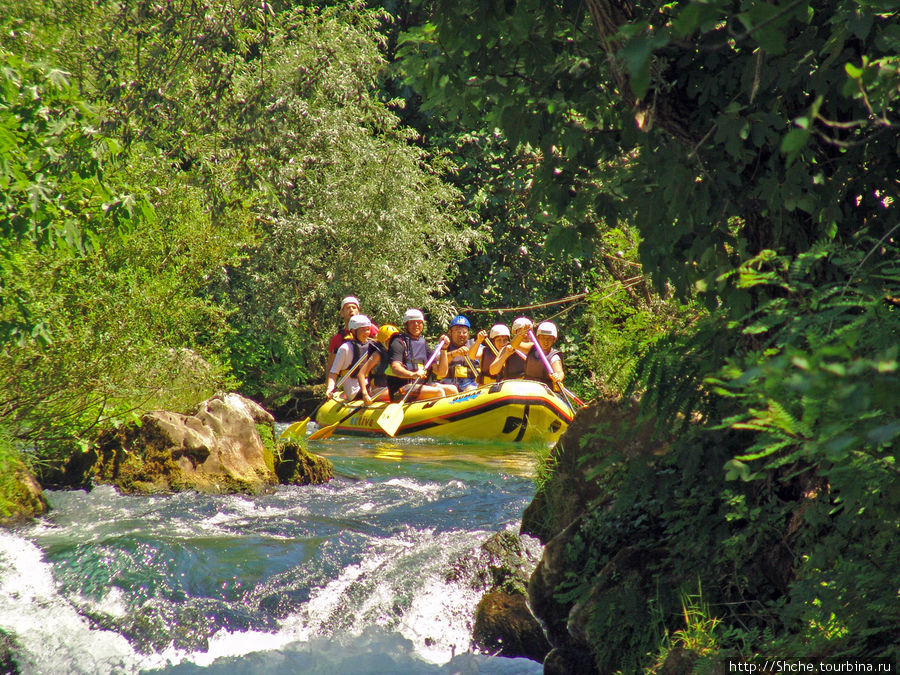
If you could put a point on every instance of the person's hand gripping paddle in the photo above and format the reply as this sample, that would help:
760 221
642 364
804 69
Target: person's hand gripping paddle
540 352
392 417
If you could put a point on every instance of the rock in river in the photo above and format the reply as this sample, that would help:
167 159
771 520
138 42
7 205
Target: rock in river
225 446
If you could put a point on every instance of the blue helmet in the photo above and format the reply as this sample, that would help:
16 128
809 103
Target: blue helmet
460 320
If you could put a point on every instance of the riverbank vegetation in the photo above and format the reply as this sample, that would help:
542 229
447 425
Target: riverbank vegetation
753 149
709 188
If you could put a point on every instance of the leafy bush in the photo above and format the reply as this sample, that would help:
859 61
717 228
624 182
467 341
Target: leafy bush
346 202
99 296
779 496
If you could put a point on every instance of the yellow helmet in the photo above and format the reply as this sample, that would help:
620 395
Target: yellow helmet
385 333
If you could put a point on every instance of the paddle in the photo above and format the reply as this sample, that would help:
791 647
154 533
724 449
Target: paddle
325 432
577 400
392 416
295 430
536 345
298 428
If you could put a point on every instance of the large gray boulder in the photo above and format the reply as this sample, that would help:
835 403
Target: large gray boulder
227 445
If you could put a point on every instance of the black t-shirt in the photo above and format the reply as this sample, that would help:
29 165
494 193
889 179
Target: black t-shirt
397 352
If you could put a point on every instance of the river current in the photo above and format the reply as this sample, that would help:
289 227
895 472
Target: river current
347 577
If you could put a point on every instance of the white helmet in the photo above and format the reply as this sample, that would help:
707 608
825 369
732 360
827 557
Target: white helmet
413 315
497 330
522 323
358 321
350 300
547 328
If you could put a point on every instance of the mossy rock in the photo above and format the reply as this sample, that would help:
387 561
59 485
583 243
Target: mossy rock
295 465
21 496
504 562
226 446
136 460
504 626
267 435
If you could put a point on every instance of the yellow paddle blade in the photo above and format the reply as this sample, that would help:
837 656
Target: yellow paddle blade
324 432
295 430
391 419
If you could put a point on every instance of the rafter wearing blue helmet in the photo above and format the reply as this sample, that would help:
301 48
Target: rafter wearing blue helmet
462 355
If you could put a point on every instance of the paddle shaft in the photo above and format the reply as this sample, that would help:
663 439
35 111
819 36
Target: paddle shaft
574 397
490 344
568 391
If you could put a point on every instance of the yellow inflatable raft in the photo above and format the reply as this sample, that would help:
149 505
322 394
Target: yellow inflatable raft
513 410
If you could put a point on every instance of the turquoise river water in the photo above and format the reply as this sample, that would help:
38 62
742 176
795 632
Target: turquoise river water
348 577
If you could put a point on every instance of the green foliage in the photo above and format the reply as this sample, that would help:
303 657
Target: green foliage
513 263
10 463
347 203
626 317
121 321
760 174
56 191
714 171
120 336
273 116
782 491
823 391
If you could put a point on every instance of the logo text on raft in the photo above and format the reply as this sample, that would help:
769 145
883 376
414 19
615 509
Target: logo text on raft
362 421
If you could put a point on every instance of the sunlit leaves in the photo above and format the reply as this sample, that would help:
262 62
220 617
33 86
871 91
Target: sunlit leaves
52 174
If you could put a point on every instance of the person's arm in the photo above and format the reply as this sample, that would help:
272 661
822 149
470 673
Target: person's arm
337 364
497 364
521 344
403 371
477 348
457 351
362 375
329 385
558 375
333 345
395 356
442 366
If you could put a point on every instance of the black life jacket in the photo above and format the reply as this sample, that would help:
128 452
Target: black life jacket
415 354
359 351
514 368
377 374
415 351
459 368
534 366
